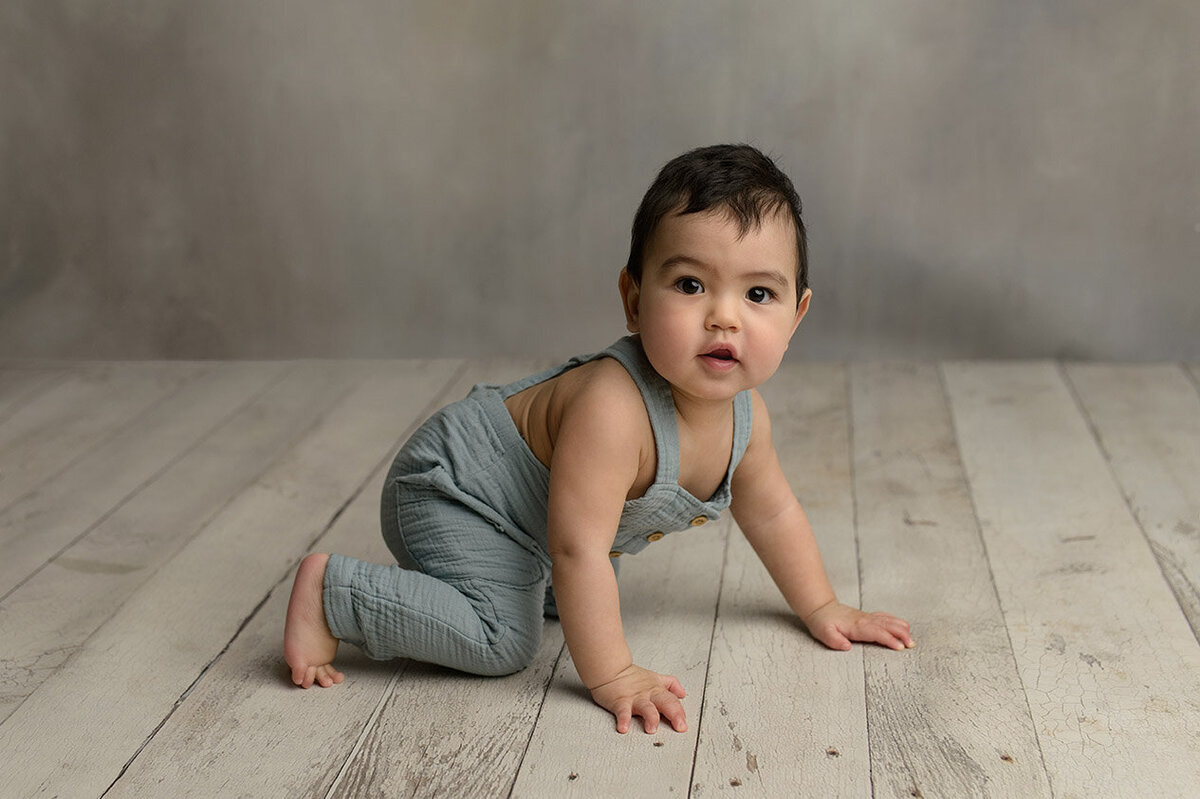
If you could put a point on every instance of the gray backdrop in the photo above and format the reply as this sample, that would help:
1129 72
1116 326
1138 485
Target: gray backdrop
279 178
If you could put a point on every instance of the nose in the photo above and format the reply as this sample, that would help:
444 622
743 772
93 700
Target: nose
722 313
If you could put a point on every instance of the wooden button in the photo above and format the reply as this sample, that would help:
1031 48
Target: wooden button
616 553
699 520
654 537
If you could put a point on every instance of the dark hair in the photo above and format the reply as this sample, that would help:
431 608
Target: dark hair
736 178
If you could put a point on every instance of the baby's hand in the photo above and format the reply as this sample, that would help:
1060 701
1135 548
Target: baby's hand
836 625
641 692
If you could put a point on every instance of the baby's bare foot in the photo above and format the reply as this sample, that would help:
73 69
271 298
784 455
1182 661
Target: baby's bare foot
308 645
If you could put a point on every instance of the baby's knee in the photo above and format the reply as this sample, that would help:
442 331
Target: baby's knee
512 653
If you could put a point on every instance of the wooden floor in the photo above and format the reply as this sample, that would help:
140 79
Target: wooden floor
1039 524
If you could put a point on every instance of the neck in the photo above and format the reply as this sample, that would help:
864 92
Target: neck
700 413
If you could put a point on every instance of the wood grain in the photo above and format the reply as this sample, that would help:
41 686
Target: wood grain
1030 519
1147 418
110 697
40 439
948 718
53 612
1108 662
38 526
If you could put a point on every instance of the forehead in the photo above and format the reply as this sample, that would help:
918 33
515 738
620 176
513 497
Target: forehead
714 237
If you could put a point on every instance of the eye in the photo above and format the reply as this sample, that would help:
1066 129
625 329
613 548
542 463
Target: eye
759 295
689 285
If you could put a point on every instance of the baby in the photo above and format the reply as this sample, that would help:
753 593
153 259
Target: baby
549 480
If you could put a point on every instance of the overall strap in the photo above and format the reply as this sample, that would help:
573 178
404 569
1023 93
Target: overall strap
743 423
656 393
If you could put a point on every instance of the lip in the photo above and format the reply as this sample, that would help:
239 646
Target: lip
721 356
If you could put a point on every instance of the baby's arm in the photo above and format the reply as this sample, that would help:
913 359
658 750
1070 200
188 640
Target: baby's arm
595 462
774 523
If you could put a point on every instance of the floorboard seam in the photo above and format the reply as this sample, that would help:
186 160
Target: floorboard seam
188 691
848 388
184 382
712 638
512 785
205 436
1112 472
367 728
987 559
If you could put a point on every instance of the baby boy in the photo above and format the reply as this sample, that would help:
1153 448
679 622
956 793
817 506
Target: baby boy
517 501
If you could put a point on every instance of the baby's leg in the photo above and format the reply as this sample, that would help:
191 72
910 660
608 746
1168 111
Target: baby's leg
475 605
308 645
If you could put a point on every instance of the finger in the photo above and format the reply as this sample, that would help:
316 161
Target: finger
896 627
893 623
901 630
672 710
649 713
882 636
624 717
832 637
673 685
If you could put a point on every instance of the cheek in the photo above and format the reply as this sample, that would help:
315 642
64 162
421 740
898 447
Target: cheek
772 341
663 316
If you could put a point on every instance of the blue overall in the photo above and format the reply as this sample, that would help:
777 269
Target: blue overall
464 512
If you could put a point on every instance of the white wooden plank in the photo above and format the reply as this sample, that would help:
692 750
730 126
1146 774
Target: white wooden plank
1107 659
36 527
245 729
784 715
239 734
446 734
50 615
668 602
950 717
74 734
42 438
1147 418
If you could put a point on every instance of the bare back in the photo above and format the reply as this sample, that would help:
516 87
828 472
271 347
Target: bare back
705 450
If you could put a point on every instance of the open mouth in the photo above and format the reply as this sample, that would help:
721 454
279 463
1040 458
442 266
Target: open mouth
722 354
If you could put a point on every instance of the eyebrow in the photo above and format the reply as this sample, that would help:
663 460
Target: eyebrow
765 275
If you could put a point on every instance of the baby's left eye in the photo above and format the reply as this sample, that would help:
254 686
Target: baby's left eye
760 295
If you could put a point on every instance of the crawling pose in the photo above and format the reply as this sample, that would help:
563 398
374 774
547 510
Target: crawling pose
549 480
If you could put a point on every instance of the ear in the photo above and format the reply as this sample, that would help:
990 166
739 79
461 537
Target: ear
631 295
801 310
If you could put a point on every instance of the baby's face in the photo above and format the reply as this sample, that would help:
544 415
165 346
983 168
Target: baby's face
716 311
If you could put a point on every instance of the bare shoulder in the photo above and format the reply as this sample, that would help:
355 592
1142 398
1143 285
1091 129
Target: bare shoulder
601 395
602 431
